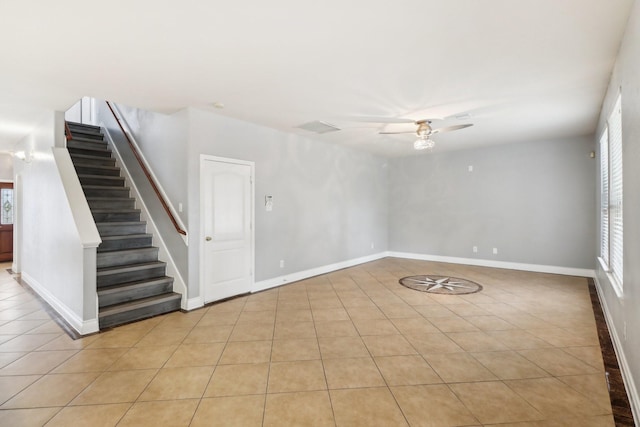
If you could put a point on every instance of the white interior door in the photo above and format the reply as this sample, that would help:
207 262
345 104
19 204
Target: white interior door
227 215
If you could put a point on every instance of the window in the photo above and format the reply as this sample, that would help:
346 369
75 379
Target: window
604 198
611 235
6 203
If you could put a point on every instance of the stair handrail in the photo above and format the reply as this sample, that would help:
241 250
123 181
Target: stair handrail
164 203
67 131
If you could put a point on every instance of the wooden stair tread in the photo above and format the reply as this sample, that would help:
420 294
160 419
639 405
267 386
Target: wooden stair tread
86 175
103 187
131 305
115 210
124 286
130 267
119 223
126 252
83 125
127 236
93 166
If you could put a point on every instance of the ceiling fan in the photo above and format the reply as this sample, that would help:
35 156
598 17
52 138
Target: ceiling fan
424 131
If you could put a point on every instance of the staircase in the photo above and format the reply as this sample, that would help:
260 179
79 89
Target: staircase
131 282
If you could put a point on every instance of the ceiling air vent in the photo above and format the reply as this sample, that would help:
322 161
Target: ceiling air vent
319 127
463 116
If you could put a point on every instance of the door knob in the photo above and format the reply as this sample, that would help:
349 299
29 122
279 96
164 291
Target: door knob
208 238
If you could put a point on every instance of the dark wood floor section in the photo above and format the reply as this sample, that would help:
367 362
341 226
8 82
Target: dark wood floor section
55 316
619 400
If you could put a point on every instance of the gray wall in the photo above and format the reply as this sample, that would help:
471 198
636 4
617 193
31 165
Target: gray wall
532 201
330 202
624 310
163 139
51 243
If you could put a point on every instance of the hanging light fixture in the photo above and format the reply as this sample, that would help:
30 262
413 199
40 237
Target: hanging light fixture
25 156
424 130
424 141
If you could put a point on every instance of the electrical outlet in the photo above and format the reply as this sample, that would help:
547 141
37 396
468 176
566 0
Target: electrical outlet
470 168
373 245
281 263
179 207
475 249
495 251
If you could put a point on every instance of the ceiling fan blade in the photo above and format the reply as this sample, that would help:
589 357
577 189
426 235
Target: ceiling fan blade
450 128
382 119
396 133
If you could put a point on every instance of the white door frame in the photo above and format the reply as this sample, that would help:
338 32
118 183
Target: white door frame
16 266
201 237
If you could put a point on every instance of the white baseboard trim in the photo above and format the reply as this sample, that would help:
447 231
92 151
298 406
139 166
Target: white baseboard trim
629 385
300 275
197 302
567 271
83 327
193 303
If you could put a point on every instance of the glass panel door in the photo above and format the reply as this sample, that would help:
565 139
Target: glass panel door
7 208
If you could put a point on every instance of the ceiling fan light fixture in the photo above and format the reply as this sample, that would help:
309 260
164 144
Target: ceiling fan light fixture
424 129
424 143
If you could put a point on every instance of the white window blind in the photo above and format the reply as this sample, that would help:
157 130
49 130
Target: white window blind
604 197
615 194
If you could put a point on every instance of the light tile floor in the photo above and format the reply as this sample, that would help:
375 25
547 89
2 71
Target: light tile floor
350 348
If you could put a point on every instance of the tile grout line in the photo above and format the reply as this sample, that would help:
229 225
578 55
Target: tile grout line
324 369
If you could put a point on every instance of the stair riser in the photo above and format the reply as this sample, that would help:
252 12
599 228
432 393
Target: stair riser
128 243
116 216
88 145
76 125
140 291
80 137
89 170
115 259
103 192
77 133
118 230
112 204
83 127
138 314
130 276
99 161
106 181
84 130
88 152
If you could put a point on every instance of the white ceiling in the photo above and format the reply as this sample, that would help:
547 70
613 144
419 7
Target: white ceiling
523 70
